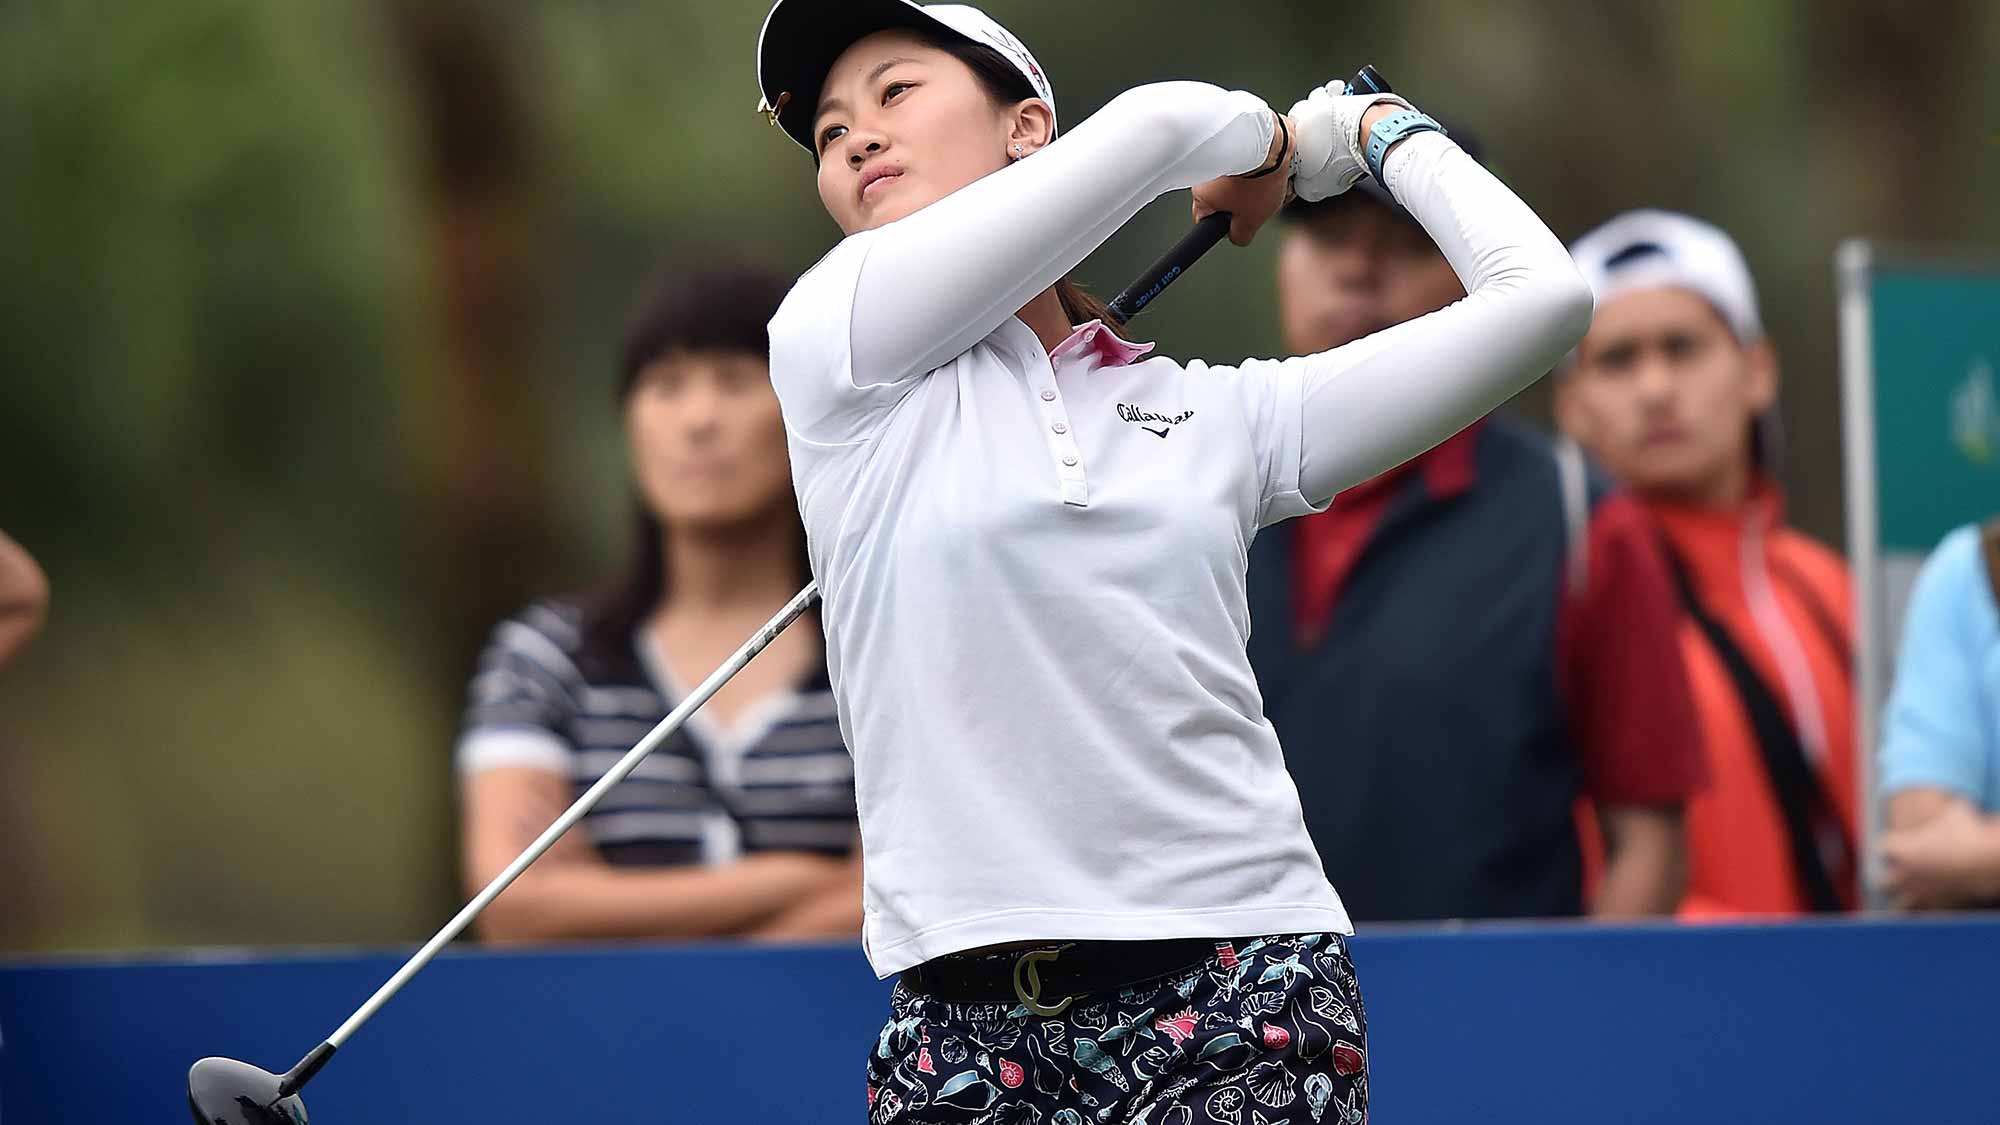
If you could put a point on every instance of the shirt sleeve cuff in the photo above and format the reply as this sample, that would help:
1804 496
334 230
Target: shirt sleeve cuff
1905 775
1286 500
486 748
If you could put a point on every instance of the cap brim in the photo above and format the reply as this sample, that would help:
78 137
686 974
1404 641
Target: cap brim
802 38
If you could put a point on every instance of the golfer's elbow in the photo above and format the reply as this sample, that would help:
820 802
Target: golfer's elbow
1162 121
1554 298
1573 304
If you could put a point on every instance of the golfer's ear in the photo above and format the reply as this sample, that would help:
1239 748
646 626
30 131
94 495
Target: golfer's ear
1034 125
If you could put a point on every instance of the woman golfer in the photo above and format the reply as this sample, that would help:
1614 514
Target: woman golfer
1082 851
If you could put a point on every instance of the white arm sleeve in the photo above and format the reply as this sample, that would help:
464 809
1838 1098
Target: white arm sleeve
894 303
1375 403
939 281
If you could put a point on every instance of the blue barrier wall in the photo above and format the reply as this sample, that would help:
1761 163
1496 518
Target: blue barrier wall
1811 1022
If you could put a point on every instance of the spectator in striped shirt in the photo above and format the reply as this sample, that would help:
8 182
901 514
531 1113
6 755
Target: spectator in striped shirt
743 824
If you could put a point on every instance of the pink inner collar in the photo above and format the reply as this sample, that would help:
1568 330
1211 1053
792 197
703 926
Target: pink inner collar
1110 348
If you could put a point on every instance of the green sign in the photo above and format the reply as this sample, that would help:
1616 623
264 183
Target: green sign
1935 343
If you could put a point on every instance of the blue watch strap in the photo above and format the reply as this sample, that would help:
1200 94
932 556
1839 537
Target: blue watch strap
1394 128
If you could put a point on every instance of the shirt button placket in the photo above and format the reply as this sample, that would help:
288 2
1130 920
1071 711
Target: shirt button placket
1069 471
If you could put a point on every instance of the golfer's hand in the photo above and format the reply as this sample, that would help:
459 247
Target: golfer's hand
1333 127
1250 203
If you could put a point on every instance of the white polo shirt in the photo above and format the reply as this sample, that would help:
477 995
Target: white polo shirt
1033 563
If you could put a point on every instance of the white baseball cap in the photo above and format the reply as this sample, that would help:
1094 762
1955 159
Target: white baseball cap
1650 249
1662 250
802 38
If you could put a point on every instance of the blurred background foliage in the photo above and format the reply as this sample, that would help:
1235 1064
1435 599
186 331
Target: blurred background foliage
308 313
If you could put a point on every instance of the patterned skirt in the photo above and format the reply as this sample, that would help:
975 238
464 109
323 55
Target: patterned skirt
1268 1031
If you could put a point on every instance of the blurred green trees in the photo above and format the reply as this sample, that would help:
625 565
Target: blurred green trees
308 312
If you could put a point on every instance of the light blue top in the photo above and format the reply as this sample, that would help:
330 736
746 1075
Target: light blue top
1942 727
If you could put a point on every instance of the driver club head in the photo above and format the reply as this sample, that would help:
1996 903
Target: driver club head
227 1092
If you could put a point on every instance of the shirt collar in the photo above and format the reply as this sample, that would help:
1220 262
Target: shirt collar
1763 508
1098 337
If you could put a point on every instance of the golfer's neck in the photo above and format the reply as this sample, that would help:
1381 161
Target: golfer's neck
751 564
1045 316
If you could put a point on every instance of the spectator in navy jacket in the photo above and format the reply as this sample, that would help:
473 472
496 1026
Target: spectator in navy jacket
743 823
1472 653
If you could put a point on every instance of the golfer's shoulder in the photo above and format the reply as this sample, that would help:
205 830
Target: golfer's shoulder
1250 383
811 323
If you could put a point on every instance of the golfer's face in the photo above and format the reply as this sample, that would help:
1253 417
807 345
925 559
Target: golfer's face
900 126
707 442
1663 393
1355 268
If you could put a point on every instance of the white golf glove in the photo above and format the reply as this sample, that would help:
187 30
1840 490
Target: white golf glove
1330 143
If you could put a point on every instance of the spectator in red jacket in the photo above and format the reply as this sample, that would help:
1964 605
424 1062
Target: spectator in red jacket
1673 389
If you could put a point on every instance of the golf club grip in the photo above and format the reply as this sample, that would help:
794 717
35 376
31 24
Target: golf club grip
1162 273
1205 235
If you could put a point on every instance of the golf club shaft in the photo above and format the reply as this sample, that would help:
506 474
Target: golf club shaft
802 601
1205 234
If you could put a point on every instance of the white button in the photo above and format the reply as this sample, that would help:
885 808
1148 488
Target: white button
1070 461
1061 429
1048 396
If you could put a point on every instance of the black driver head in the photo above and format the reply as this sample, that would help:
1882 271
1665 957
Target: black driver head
227 1092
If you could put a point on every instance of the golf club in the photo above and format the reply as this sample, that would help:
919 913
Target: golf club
225 1091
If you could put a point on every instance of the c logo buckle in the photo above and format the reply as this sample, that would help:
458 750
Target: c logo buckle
1030 994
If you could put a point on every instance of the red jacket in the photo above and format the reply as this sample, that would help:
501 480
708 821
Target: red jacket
1786 602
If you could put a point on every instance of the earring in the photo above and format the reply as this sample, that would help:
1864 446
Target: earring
1018 154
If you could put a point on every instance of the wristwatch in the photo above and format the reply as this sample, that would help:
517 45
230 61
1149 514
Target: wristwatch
1394 128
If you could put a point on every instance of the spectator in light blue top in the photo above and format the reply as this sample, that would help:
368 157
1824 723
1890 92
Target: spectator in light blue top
1940 757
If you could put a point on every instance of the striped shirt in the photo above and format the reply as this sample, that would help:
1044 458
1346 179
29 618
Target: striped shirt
779 779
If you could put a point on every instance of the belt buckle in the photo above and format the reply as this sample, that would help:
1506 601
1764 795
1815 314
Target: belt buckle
1030 994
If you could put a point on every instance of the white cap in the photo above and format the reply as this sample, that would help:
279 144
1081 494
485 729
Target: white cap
1663 250
802 38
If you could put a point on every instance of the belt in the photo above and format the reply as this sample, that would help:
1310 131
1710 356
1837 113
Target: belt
1045 979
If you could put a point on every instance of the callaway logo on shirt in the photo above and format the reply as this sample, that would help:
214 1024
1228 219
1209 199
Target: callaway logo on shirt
1159 425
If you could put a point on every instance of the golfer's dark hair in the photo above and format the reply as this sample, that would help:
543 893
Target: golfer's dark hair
724 309
1006 85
